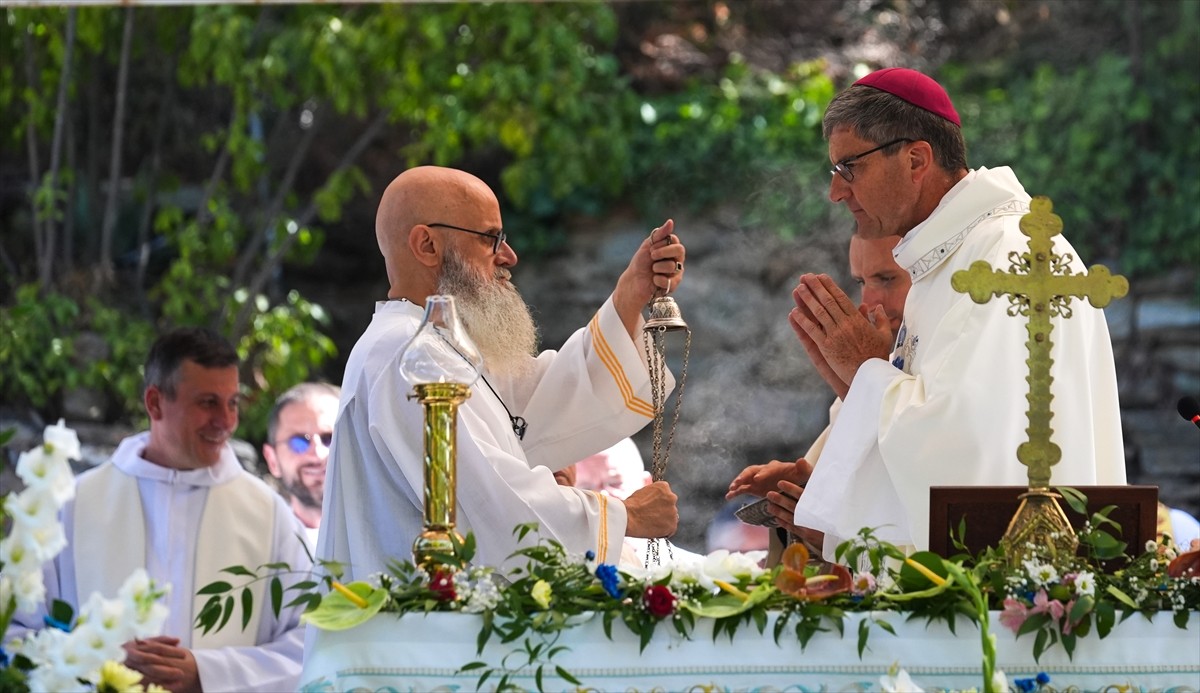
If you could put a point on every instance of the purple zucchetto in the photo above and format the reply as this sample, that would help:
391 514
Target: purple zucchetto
912 86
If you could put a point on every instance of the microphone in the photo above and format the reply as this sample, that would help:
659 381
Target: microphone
1189 409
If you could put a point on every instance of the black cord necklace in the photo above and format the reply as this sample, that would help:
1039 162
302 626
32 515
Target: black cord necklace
518 423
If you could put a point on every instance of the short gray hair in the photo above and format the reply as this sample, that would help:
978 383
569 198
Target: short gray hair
878 116
298 393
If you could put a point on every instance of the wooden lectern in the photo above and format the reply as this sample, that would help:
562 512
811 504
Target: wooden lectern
988 510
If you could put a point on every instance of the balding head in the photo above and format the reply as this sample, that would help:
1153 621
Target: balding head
428 195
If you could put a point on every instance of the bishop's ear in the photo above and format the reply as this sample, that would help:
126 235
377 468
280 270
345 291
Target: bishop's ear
920 158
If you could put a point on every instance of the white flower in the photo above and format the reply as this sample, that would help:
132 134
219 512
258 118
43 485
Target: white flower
50 473
33 507
18 553
140 595
107 616
62 441
1085 583
1151 546
87 648
897 680
999 681
30 591
45 542
1042 574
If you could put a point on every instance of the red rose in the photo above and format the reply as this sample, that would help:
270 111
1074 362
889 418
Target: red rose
442 585
659 601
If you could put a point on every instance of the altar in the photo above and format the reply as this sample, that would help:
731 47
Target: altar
425 653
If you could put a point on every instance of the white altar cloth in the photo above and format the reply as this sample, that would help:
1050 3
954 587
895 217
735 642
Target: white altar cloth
424 652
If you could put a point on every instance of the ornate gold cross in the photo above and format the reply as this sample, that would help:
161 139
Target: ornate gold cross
1039 286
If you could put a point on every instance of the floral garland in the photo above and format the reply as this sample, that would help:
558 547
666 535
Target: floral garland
554 590
70 653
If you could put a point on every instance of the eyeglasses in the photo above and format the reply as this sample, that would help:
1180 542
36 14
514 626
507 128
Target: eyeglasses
303 442
497 238
842 168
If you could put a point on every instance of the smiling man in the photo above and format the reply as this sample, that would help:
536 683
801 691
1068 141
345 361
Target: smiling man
176 501
440 232
299 433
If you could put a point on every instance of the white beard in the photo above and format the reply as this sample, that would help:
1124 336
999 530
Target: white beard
495 316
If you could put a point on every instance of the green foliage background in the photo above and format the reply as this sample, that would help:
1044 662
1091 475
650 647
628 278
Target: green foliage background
250 131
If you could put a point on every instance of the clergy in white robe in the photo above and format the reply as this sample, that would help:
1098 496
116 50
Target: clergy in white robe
183 527
580 399
949 407
439 232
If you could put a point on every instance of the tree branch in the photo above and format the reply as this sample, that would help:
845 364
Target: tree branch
35 166
267 268
259 238
105 269
60 110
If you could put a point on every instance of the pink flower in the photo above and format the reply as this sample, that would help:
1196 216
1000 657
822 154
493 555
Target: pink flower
1043 604
1014 614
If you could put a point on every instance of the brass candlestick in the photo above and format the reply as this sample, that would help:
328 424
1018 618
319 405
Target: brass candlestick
441 362
440 401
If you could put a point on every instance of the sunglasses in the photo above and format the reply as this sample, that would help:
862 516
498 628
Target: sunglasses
303 442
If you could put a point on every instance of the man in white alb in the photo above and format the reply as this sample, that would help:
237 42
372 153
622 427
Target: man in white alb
884 287
176 501
948 408
440 232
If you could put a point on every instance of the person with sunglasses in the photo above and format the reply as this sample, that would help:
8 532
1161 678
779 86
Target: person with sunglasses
176 502
947 405
530 414
299 435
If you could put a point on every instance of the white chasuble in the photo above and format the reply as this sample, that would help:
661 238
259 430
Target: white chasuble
576 401
110 536
950 410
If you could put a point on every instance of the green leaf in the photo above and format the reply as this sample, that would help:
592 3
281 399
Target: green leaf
1074 498
276 595
62 612
1121 596
1105 618
864 631
217 587
1039 644
567 676
247 606
337 612
238 570
226 611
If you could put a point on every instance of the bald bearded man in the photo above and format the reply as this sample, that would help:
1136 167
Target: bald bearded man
440 232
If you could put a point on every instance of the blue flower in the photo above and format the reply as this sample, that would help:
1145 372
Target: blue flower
608 579
1043 678
3 658
590 555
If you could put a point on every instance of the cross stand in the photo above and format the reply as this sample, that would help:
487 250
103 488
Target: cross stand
1039 286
